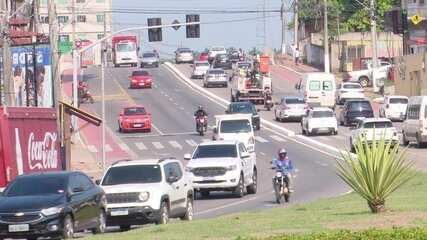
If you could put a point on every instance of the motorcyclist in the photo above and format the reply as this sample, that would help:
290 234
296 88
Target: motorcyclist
284 165
200 112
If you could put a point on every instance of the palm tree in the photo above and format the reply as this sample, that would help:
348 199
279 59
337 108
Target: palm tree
375 171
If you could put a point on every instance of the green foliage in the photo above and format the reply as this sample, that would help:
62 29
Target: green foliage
376 171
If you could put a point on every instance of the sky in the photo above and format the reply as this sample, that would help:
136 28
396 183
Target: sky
241 34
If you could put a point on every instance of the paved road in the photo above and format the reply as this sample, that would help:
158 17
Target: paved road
284 79
172 103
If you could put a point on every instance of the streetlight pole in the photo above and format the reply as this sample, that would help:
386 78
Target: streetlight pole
103 52
283 15
326 36
374 46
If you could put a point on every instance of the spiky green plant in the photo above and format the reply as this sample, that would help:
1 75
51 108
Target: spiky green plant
375 171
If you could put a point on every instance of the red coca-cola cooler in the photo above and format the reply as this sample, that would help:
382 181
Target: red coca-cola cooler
29 142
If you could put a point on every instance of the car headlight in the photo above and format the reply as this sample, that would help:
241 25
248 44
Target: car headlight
251 141
52 211
231 167
143 196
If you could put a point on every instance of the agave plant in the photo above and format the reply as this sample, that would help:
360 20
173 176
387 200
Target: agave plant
375 171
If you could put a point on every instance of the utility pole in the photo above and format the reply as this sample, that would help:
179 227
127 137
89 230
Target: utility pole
296 23
73 20
374 46
8 88
284 27
103 53
405 27
326 36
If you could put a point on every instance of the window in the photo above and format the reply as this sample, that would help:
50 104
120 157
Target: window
177 170
37 185
99 36
398 101
385 124
314 85
414 111
172 169
242 148
100 18
134 111
215 151
85 182
80 1
64 38
81 18
295 101
44 19
354 52
322 114
63 19
235 126
132 174
327 85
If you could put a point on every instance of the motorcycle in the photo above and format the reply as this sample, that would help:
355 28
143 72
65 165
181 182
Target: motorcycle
268 102
281 187
84 94
201 125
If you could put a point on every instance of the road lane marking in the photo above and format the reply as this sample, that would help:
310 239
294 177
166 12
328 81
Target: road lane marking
205 140
225 206
92 149
290 69
191 142
262 153
260 139
175 144
124 146
181 108
158 145
140 146
157 129
108 148
277 138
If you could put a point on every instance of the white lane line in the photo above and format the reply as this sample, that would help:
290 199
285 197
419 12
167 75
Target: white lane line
260 139
140 146
277 138
181 108
171 99
225 206
108 148
262 153
175 144
157 129
158 145
323 138
176 104
124 147
92 149
205 140
191 142
290 69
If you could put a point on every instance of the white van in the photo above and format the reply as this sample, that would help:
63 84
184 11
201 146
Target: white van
319 89
415 126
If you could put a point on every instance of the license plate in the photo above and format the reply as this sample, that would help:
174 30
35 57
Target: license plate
119 213
137 125
141 84
19 228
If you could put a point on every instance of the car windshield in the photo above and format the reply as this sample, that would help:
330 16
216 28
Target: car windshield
132 174
148 55
351 86
140 73
216 151
242 65
135 111
385 124
235 126
359 106
322 114
217 49
222 56
242 108
126 47
398 101
294 101
185 50
203 64
37 185
216 72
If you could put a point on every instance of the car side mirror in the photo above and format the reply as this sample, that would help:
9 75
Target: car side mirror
297 86
227 111
78 190
98 181
172 179
187 156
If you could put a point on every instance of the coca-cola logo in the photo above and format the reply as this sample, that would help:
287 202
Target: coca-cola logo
42 154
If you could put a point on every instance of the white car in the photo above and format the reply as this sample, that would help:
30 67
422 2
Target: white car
235 127
200 68
319 120
414 128
394 107
290 108
213 51
373 129
147 191
222 166
215 77
349 90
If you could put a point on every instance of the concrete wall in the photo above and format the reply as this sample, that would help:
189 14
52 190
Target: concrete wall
410 75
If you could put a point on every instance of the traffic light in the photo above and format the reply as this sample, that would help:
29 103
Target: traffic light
193 31
154 34
396 21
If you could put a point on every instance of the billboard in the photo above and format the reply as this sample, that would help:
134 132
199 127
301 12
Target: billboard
32 76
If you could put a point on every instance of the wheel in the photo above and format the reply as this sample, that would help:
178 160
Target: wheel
309 133
252 189
420 144
116 65
225 85
189 212
164 214
405 141
101 224
239 191
120 128
352 148
335 132
303 131
364 81
286 196
124 228
204 193
68 229
341 123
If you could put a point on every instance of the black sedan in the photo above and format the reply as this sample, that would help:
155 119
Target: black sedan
222 61
245 108
54 204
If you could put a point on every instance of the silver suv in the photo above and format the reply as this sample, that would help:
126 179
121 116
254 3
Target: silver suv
147 191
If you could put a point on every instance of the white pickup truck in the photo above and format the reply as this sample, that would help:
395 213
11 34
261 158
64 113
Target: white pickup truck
364 76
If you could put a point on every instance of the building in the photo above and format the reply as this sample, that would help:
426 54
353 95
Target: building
410 74
93 20
417 41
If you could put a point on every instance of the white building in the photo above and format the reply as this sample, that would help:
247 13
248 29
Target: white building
93 19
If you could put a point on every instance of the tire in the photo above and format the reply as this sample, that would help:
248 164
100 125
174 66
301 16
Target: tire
341 123
68 229
189 211
303 131
101 224
420 144
286 196
120 129
405 141
335 132
164 214
252 189
352 148
225 85
239 191
124 228
364 81
204 193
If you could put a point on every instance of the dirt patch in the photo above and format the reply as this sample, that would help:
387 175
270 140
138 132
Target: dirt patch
381 221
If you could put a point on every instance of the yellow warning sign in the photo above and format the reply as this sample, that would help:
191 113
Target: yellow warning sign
416 19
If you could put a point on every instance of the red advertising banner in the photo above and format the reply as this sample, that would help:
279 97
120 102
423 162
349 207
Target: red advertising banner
29 142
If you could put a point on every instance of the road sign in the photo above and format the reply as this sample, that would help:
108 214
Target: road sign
176 22
416 19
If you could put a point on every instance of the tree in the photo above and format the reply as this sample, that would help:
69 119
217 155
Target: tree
376 171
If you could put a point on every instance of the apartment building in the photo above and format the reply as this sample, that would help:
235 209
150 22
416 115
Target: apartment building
417 32
93 19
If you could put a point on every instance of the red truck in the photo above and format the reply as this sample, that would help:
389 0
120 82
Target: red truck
125 50
29 142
